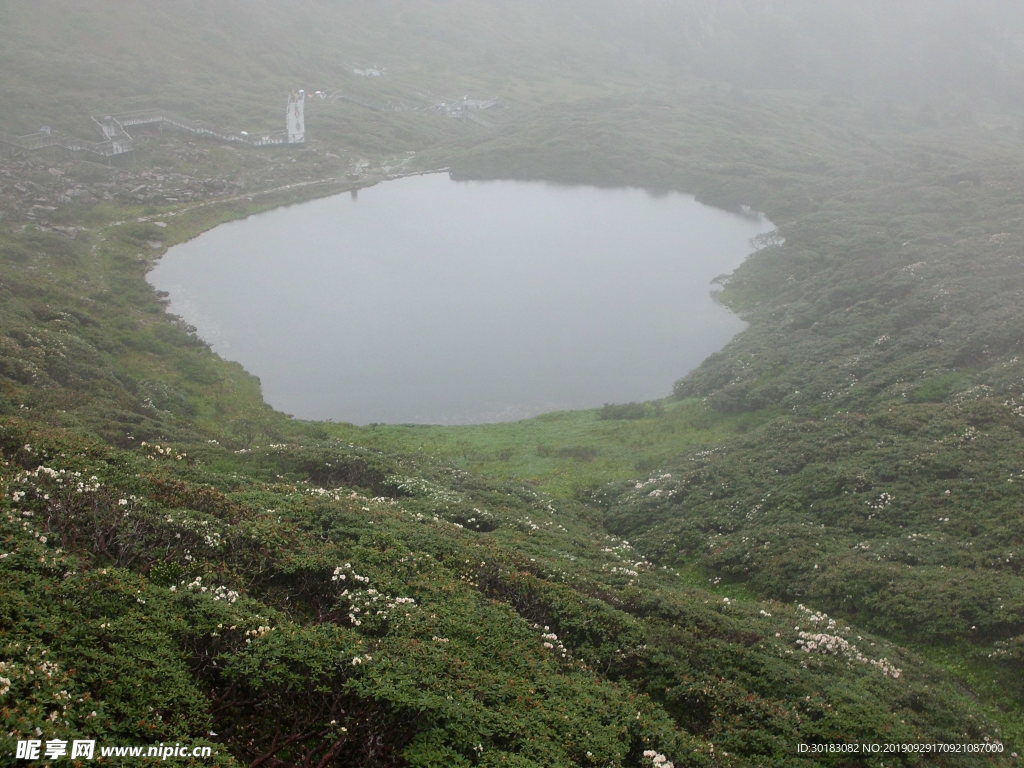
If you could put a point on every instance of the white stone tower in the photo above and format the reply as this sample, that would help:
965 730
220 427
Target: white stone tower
295 117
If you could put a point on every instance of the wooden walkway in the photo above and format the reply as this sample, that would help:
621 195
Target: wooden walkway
170 120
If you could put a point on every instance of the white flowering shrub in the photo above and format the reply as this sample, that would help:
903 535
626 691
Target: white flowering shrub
218 593
833 644
365 606
657 759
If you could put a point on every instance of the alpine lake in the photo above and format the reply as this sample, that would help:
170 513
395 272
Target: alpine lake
428 300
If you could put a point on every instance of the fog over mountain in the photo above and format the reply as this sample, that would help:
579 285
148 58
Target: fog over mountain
941 54
937 50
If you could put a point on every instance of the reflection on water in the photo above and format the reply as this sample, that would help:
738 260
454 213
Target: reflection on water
428 300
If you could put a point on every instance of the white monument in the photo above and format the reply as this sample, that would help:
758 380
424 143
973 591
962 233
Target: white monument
295 117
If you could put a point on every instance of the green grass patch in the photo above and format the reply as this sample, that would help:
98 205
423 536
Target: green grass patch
564 452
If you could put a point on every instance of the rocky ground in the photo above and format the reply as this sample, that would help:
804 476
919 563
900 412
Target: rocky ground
46 187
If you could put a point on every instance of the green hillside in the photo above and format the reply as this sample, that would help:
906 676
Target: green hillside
813 541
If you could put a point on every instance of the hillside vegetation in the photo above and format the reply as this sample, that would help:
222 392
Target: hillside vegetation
814 539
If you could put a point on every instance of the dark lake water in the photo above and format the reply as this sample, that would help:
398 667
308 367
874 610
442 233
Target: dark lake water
433 301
